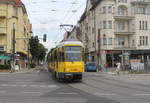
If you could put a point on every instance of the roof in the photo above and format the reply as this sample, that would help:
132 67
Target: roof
17 2
71 42
95 3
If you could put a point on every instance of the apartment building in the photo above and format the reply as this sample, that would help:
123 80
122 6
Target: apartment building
116 30
13 14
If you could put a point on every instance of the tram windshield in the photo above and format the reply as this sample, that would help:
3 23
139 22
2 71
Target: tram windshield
73 53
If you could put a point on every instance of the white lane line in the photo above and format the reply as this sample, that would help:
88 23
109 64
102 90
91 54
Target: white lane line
105 94
52 86
142 94
33 85
13 85
32 92
3 85
2 91
64 93
42 86
23 85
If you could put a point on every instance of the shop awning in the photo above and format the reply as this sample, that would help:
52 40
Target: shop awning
4 57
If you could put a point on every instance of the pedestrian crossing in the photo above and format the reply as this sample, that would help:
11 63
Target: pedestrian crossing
32 86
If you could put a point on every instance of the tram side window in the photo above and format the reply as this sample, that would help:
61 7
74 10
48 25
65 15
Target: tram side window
55 57
63 56
59 56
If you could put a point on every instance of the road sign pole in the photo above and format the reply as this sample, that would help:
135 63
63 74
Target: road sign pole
13 51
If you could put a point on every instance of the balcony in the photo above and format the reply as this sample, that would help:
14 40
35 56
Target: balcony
124 47
3 13
144 2
124 32
123 17
3 30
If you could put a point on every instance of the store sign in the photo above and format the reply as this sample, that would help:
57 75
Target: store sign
136 64
5 57
1 48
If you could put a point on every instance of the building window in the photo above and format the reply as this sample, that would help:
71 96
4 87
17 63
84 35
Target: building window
121 41
104 25
109 41
121 26
1 48
109 9
122 1
140 0
93 30
104 10
140 10
110 24
122 11
133 43
104 41
143 25
143 40
93 44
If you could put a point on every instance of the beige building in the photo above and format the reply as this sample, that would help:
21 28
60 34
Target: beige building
116 30
13 12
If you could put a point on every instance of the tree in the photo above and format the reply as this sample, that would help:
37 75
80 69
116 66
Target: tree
38 51
42 52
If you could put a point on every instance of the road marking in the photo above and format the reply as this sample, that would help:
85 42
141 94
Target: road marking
2 91
3 85
64 93
32 92
52 86
23 85
13 85
33 85
42 86
105 94
142 94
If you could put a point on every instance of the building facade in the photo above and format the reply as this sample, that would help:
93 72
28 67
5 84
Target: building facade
13 16
116 30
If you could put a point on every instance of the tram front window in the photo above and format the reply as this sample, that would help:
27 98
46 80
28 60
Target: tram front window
73 54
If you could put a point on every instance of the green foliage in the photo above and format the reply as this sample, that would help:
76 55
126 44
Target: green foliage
5 67
38 51
32 65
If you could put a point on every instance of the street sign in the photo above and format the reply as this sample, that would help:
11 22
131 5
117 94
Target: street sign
5 57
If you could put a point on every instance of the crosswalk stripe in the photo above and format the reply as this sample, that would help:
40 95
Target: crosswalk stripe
23 85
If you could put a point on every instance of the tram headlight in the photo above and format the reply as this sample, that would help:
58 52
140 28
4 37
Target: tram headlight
67 69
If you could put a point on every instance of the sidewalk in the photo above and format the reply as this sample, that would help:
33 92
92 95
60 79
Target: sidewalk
112 71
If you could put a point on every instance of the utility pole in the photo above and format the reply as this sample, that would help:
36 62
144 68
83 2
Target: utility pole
99 47
13 51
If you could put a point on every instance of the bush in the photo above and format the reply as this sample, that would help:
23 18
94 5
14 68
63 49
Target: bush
5 67
32 65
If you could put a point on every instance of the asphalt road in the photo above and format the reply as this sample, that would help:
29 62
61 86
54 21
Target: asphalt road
39 87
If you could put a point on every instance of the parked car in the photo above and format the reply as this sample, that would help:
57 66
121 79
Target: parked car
90 66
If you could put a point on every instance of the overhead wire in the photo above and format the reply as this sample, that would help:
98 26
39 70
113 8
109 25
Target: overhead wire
68 11
76 10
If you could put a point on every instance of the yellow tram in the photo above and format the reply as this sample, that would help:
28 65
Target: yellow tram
66 61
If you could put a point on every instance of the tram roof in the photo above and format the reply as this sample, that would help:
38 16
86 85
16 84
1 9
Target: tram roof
70 43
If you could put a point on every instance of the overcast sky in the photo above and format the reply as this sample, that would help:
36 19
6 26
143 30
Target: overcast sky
47 15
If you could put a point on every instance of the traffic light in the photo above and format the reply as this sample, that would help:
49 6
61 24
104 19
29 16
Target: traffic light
44 37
